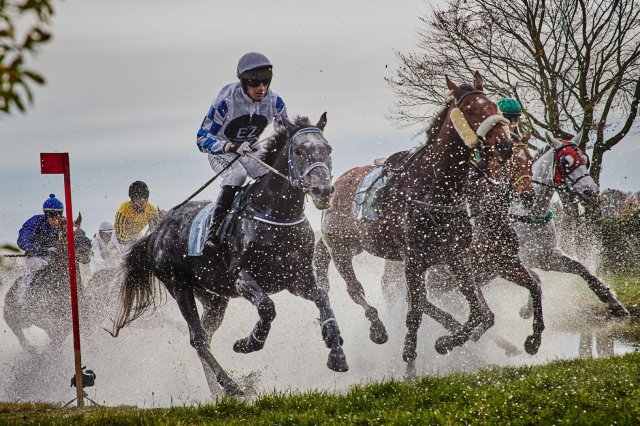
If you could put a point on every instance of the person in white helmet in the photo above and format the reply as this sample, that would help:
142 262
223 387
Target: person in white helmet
104 244
236 119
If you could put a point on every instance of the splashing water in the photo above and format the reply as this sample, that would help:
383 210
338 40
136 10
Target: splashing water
152 364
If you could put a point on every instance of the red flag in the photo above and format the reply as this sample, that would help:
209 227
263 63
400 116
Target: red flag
54 162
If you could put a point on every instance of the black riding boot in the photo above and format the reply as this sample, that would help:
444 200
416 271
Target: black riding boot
223 206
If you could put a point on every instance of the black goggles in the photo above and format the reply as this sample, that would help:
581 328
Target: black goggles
257 82
52 213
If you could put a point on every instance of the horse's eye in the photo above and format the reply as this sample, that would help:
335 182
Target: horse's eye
297 151
566 161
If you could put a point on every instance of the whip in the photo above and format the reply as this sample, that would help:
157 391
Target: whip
207 183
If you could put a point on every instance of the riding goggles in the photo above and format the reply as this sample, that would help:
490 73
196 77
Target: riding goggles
257 82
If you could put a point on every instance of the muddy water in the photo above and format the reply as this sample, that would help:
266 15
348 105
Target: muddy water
152 364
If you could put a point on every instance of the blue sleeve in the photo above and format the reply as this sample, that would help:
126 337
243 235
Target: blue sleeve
281 113
207 138
25 237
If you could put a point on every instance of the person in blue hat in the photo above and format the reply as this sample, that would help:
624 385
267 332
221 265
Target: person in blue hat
38 237
235 120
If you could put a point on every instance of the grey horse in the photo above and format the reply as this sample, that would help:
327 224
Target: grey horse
561 167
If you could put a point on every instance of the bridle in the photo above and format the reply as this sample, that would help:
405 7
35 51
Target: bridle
475 139
295 178
563 186
523 176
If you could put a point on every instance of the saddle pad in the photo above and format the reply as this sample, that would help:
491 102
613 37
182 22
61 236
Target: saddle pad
365 198
200 230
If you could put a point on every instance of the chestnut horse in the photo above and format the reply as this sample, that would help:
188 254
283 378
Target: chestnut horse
423 217
494 248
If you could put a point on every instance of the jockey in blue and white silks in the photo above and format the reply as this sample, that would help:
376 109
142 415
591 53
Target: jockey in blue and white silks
38 237
235 120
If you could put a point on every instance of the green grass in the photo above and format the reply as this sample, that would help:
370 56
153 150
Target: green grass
627 288
594 391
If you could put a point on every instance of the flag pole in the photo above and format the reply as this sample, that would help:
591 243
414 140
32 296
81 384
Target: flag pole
56 163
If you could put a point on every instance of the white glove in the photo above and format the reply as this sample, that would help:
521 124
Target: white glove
243 148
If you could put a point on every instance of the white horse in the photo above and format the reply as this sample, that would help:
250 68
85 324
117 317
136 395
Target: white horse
561 167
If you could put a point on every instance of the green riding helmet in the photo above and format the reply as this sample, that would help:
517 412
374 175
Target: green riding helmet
509 106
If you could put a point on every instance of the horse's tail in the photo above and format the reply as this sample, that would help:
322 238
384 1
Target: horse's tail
321 260
137 290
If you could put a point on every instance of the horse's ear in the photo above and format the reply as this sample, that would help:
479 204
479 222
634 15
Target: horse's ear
322 122
552 141
78 220
577 138
478 81
451 85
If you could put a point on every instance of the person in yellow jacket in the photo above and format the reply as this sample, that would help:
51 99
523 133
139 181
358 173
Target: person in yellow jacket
133 215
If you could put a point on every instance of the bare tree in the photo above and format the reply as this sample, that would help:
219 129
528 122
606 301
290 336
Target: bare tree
24 26
572 64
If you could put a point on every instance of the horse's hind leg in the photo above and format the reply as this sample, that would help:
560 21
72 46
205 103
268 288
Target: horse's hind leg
213 313
329 326
250 290
343 261
519 274
557 261
199 338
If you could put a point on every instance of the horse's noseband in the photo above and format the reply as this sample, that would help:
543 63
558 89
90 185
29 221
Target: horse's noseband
295 177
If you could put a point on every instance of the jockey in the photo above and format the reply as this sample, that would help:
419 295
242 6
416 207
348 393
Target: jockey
236 119
133 215
104 245
511 110
38 237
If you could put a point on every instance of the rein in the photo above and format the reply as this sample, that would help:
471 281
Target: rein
294 178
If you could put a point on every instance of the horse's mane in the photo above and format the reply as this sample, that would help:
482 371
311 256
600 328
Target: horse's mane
281 136
438 120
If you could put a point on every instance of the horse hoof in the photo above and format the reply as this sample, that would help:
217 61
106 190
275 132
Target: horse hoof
532 344
247 345
444 344
337 361
378 333
526 312
231 389
617 310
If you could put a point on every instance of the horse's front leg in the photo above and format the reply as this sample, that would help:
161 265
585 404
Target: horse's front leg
248 288
480 316
558 261
520 275
419 304
329 326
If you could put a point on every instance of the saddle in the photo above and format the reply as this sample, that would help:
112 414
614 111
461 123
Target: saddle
395 162
199 231
372 188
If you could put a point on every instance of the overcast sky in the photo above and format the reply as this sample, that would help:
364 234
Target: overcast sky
128 83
